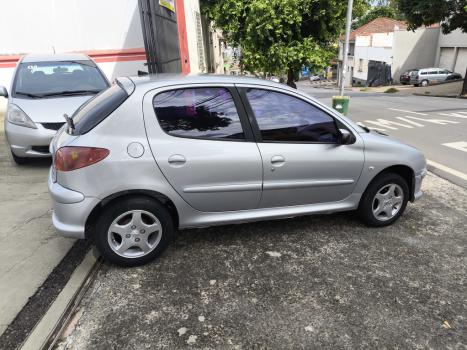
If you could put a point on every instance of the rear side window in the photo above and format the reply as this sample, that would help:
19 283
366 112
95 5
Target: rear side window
284 118
98 108
207 113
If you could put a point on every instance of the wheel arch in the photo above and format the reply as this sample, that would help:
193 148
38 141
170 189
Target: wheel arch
161 198
406 172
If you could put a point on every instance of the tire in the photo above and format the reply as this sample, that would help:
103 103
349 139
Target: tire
388 206
19 160
424 83
126 238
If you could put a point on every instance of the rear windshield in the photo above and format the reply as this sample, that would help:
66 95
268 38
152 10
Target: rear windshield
59 78
97 109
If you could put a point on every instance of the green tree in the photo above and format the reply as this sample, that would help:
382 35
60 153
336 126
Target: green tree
452 13
279 36
376 12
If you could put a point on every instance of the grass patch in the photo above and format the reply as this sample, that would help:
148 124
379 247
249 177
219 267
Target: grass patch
427 92
391 91
366 88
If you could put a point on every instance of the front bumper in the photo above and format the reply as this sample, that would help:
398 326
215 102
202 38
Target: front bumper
71 210
27 142
417 193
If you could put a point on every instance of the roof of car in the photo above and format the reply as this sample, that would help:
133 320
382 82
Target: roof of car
178 79
54 57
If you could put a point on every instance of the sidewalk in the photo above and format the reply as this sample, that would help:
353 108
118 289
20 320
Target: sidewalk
29 246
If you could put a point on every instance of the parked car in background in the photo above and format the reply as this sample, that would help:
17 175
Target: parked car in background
45 87
405 77
151 155
317 77
427 76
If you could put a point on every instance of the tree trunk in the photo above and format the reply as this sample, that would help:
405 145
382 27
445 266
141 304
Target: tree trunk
290 78
464 87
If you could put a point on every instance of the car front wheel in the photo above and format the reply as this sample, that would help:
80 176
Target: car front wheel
384 200
133 231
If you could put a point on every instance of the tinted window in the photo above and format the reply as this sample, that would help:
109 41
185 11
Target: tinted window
98 108
424 73
285 118
198 113
433 72
43 79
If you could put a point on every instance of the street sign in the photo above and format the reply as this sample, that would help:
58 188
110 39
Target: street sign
169 4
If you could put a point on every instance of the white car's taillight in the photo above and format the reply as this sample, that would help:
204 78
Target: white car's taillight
15 115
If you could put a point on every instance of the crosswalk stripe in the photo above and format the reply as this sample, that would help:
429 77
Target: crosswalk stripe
402 110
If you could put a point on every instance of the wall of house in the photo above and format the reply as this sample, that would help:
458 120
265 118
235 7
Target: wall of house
195 37
413 50
107 30
375 47
452 51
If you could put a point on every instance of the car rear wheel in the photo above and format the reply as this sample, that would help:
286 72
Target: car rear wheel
424 83
384 200
19 160
133 231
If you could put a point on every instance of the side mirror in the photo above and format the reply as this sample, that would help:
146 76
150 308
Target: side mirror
346 137
3 92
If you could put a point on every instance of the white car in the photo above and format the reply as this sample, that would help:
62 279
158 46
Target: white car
44 88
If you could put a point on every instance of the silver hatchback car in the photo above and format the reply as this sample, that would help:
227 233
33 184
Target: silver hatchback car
152 155
45 87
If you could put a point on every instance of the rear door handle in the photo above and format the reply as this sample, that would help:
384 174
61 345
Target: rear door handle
177 159
277 160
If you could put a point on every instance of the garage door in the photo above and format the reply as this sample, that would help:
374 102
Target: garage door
446 57
461 63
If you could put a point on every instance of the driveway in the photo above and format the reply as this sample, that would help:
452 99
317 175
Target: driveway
312 282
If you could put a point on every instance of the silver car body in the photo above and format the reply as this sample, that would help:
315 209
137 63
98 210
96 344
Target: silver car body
430 75
213 182
47 114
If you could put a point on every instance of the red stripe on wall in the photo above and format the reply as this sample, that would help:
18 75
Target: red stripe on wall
182 37
99 56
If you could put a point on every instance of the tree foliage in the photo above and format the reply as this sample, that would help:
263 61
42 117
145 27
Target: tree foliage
452 13
279 36
376 12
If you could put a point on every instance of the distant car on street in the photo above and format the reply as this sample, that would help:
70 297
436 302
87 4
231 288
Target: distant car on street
44 88
428 76
151 155
405 77
316 77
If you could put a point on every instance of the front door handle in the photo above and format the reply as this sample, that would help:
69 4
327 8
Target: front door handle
277 160
177 159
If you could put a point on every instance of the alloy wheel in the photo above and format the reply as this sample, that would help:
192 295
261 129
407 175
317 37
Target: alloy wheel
134 233
387 202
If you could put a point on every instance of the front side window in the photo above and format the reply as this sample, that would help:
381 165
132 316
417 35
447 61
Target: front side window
55 79
286 118
199 113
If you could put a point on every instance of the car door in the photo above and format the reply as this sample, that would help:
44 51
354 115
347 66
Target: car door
203 144
303 161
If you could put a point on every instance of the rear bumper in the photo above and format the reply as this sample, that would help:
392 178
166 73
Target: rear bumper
23 141
71 210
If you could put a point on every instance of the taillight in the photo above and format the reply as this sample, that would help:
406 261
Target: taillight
72 158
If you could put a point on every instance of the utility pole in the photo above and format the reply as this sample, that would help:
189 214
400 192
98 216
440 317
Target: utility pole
346 47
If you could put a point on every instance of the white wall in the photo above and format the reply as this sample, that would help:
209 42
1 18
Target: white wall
70 25
414 50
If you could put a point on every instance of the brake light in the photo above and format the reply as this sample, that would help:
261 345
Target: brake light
72 158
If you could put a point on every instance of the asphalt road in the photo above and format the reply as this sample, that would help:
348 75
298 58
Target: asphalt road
437 126
317 282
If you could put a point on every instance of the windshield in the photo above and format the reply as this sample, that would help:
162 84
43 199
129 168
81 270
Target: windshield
52 79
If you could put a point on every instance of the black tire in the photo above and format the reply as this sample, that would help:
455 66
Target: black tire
365 209
119 207
19 160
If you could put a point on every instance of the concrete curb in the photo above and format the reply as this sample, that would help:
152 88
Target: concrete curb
432 95
47 330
